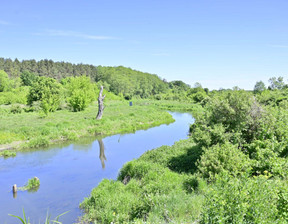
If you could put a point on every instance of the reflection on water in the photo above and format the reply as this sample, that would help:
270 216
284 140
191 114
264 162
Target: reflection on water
102 152
68 172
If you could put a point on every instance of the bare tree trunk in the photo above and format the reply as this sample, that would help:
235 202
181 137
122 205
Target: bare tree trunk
100 104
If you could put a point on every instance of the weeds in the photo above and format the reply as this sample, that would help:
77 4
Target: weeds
33 184
7 153
48 219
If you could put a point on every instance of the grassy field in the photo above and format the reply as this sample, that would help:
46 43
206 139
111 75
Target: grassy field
27 130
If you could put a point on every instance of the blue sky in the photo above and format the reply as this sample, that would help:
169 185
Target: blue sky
220 44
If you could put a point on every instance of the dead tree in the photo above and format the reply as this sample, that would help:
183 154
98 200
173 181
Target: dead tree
100 104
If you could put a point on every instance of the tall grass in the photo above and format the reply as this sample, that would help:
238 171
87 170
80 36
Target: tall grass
48 219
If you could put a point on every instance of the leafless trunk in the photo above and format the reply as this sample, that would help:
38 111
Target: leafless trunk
100 104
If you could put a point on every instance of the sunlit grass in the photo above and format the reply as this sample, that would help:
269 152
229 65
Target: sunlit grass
34 130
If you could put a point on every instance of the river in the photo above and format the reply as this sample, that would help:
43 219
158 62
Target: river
69 172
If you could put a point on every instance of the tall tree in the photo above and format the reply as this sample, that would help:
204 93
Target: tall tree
276 83
259 87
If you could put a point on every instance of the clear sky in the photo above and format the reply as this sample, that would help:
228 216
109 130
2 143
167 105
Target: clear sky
220 44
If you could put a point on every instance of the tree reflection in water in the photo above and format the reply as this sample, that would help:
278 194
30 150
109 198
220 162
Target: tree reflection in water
102 153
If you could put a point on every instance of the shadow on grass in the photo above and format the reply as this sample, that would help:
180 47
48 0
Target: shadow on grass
186 163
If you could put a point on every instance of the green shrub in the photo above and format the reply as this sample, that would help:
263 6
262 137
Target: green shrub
48 92
245 200
33 183
16 109
7 153
38 142
223 158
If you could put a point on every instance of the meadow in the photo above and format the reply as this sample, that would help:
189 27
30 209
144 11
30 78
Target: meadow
33 130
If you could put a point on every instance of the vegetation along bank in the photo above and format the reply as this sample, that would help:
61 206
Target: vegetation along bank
233 169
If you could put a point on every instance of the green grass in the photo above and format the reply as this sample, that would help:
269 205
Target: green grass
48 219
171 105
154 194
32 130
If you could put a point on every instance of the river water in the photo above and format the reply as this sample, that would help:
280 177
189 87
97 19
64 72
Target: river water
69 172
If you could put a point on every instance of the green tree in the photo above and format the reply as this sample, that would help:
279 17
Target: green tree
259 87
276 83
48 92
28 78
81 92
4 81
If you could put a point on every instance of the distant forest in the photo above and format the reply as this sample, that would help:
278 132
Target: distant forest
119 80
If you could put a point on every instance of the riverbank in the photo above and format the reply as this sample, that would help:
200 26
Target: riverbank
77 166
159 187
232 170
28 130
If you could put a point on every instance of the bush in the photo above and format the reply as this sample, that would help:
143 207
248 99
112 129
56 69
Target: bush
223 158
16 109
81 92
48 92
245 200
7 153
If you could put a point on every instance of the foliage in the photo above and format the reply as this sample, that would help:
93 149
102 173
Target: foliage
16 109
33 184
4 81
276 83
7 153
81 92
234 116
130 83
118 80
178 84
223 158
18 95
259 87
48 92
245 200
28 78
239 165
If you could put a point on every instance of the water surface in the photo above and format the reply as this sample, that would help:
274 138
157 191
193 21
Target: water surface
68 173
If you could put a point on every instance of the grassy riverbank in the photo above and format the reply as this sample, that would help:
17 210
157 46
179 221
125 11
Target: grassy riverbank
232 170
27 130
161 188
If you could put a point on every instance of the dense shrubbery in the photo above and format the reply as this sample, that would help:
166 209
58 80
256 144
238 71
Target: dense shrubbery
233 169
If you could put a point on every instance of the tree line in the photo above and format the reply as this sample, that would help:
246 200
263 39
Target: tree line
119 80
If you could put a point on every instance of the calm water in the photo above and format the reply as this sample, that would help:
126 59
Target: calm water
68 173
